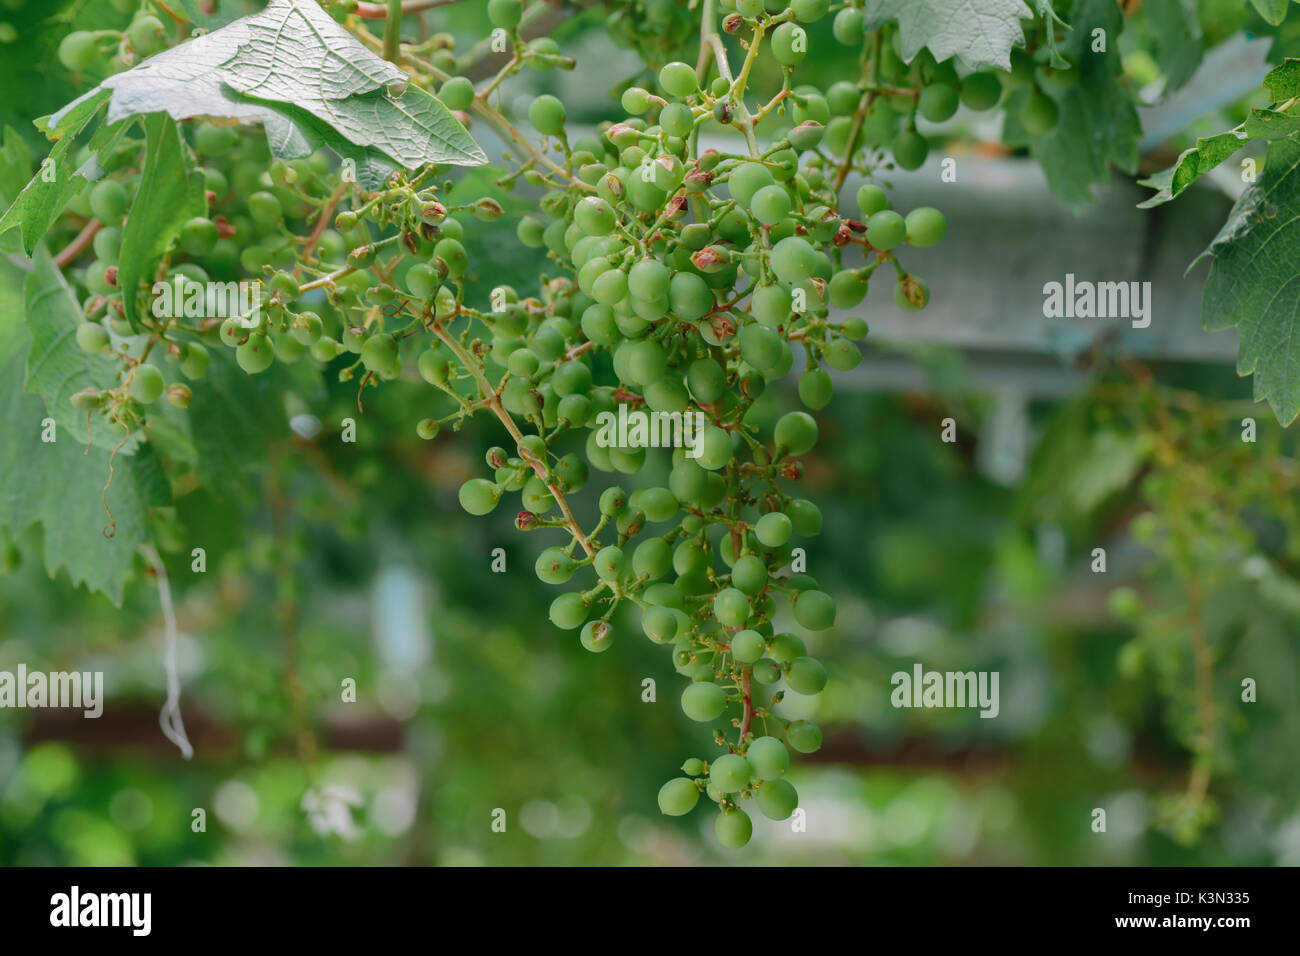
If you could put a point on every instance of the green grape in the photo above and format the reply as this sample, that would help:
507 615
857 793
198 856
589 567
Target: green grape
773 530
906 304
733 828
809 10
815 610
478 496
771 205
772 305
678 79
785 647
147 35
714 448
594 216
796 432
610 287
652 559
766 672
530 232
910 149
847 288
747 179
147 385
380 355
777 799
925 226
806 675
749 574
748 646
842 355
613 501
730 772
789 44
938 102
659 624
648 279
78 51
536 496
195 360
568 611
848 26
886 230
93 338
256 355
554 566
981 91
768 757
761 347
804 736
572 378
678 797
546 113
646 361
731 607
597 636
433 366
505 14
707 382
199 236
658 504
457 93
749 8
690 297
793 259
109 201
423 280
450 251
1039 114
814 391
704 701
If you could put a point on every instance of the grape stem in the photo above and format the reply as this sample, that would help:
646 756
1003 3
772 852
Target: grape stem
78 245
494 402
378 11
393 32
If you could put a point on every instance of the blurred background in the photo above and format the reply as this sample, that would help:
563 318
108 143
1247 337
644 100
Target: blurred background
327 562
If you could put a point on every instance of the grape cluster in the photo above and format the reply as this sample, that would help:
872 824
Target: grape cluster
685 279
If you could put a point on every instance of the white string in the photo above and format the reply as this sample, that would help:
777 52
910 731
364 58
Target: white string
170 716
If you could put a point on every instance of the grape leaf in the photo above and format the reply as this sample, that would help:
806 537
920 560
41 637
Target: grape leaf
59 484
1274 11
15 171
1176 37
57 367
1254 285
171 193
1271 124
36 207
1190 166
1283 81
1098 125
980 33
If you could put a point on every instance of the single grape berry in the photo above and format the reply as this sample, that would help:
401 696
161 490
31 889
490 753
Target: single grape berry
731 607
733 828
748 646
871 200
78 51
678 79
789 44
981 91
147 35
505 14
806 675
815 391
886 230
109 201
568 611
771 205
546 113
925 226
730 772
478 496
796 432
804 736
597 636
257 354
1039 113
768 757
147 385
678 797
815 610
704 701
938 102
910 149
457 93
777 799
92 337
749 574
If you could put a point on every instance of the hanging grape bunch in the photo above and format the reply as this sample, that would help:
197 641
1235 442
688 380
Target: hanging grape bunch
684 279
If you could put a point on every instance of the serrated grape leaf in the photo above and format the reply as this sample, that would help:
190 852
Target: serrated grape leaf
1254 281
1274 11
15 171
1271 124
373 168
1098 126
42 200
58 485
1176 38
1283 81
980 33
57 368
171 193
1190 166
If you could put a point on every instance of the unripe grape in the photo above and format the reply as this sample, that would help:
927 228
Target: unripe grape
847 288
796 432
842 355
804 736
451 252
925 226
771 305
771 205
257 354
731 607
910 149
733 828
609 563
981 91
715 448
147 385
815 389
871 200
109 201
568 611
678 79
194 360
478 496
707 381
457 93
730 772
652 559
806 675
199 236
704 701
761 347
777 799
809 10
147 35
678 797
554 566
422 280
78 51
749 574
920 291
597 636
380 354
747 179
546 113
789 44
1039 113
938 102
748 646
93 338
886 230
793 259
815 610
613 501
766 672
505 14
768 757
659 624
848 26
